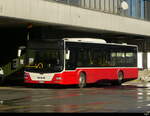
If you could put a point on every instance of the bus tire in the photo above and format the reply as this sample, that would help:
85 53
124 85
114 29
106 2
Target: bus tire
82 80
120 79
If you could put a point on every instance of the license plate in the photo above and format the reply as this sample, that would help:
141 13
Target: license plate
41 81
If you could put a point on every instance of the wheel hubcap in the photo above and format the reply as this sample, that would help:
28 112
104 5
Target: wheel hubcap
82 81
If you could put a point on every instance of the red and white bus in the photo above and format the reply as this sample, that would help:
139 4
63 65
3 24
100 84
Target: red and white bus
79 61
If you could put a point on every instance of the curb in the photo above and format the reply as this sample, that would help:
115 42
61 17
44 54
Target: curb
137 81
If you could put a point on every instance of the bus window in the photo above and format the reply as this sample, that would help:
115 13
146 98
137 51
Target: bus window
120 58
82 57
72 61
129 58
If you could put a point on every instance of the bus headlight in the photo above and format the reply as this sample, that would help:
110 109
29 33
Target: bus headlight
26 76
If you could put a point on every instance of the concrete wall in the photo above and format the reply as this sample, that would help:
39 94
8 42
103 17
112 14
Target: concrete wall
140 60
56 13
148 60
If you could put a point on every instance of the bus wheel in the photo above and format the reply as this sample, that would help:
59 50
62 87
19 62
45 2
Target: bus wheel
120 78
82 80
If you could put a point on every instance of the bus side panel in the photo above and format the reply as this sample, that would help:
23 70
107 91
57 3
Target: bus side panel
70 77
97 74
94 75
130 73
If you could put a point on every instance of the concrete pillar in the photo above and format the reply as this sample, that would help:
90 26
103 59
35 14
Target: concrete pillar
148 60
146 55
140 60
145 60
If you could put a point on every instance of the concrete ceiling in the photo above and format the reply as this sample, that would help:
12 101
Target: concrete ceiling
9 22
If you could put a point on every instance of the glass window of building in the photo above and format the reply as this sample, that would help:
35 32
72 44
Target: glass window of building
92 4
115 6
97 4
142 9
127 12
136 8
111 5
63 1
87 3
82 2
74 2
106 4
102 3
147 9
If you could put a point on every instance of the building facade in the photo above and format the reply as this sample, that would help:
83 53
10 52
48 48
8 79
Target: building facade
103 17
137 8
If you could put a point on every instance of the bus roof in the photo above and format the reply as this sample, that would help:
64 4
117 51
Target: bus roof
95 40
87 40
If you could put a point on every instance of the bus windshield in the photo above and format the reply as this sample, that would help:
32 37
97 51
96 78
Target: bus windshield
44 59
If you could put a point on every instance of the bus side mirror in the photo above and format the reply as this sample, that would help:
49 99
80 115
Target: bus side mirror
1 71
21 51
67 54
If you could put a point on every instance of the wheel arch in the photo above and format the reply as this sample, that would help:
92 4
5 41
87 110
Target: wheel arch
82 79
83 73
120 70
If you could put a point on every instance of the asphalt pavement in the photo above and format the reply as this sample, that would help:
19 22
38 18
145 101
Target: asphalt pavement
130 97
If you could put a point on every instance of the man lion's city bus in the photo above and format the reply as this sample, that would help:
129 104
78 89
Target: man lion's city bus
79 61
